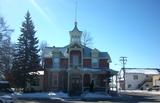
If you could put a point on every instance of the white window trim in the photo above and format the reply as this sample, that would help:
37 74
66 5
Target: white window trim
135 76
93 62
74 61
57 62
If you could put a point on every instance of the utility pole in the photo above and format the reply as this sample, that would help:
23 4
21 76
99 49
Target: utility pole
123 60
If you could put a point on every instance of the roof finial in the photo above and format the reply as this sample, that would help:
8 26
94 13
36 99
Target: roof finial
76 4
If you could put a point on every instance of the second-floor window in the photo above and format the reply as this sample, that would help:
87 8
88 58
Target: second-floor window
56 62
129 85
103 63
75 60
48 62
63 63
94 63
87 63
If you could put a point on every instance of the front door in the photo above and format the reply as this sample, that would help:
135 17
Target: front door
76 86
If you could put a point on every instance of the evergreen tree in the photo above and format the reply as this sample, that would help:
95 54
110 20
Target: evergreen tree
26 58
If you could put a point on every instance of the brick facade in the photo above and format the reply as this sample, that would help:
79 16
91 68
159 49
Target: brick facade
75 66
64 63
48 63
103 63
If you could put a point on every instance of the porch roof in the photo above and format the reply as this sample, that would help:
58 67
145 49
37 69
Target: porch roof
99 70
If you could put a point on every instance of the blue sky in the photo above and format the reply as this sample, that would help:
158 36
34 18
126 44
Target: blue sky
128 28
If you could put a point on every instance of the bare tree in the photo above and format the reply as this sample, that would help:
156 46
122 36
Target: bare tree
5 46
42 46
86 39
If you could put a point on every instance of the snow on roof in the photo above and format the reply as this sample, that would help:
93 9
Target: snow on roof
38 73
142 70
48 51
96 70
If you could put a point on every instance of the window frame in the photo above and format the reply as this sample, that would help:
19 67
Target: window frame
56 62
135 77
95 63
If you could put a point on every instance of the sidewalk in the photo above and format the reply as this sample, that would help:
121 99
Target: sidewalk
140 91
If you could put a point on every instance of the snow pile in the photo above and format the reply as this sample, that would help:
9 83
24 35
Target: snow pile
51 94
33 95
62 95
141 91
95 95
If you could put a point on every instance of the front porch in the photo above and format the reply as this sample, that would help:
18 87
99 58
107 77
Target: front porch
79 81
76 81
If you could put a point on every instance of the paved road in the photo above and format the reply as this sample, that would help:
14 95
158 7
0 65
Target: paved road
124 98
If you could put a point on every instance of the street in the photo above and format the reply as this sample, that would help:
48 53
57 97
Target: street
123 98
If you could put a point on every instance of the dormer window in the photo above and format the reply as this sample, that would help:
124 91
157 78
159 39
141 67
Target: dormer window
95 53
56 62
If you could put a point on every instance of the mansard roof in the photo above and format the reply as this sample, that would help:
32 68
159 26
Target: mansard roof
47 53
86 52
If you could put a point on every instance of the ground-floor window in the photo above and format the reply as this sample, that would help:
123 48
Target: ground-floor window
55 80
129 85
35 82
99 80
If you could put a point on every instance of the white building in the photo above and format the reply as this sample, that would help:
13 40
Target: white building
136 78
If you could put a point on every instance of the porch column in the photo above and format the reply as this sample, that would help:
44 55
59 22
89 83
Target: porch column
112 83
68 82
90 77
116 82
82 82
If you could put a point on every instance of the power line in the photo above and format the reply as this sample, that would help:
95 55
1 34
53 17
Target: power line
123 60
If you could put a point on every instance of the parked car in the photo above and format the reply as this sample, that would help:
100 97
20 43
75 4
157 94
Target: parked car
6 92
157 88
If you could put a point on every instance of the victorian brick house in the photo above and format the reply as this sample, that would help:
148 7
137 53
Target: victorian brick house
72 68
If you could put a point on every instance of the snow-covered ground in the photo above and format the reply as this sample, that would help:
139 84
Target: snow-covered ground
141 91
95 95
60 95
41 95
